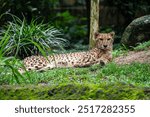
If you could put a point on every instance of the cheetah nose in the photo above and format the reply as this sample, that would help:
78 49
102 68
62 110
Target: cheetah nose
105 46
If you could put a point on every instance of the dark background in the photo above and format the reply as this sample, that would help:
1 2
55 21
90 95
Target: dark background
73 15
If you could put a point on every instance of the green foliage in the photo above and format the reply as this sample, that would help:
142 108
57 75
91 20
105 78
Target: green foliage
123 50
93 75
29 8
72 91
75 28
30 39
120 50
8 71
139 75
142 46
19 39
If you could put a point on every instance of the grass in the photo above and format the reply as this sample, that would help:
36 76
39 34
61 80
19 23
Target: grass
123 50
109 82
96 82
142 46
96 74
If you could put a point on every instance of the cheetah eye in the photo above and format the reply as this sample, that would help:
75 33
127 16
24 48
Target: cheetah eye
108 39
101 39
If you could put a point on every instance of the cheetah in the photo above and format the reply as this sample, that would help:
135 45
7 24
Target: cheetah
100 54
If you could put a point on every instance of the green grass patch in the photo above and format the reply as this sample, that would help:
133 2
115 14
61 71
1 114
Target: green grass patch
142 46
135 73
123 50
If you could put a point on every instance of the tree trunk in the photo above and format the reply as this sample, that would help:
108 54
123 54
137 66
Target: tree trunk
94 21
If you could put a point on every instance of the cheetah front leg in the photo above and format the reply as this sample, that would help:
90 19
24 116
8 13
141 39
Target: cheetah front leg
82 65
42 69
47 67
103 61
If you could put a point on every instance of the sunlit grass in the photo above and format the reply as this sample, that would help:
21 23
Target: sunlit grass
136 74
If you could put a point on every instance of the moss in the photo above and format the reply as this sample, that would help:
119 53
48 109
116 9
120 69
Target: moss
113 91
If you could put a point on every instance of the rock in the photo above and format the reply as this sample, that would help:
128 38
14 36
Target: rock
137 31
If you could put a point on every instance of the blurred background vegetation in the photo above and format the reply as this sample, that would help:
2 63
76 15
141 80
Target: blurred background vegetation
72 16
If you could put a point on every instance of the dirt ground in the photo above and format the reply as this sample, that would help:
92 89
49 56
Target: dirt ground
134 56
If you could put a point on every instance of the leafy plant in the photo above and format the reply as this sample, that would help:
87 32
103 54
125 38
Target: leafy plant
75 28
30 39
8 70
29 8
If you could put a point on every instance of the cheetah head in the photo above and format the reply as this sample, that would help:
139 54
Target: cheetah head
104 41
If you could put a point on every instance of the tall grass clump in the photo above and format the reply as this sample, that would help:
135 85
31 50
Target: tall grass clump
26 39
8 69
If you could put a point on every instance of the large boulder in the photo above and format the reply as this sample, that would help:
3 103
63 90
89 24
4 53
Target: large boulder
137 31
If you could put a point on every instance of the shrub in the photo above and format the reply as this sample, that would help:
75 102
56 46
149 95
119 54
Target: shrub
30 39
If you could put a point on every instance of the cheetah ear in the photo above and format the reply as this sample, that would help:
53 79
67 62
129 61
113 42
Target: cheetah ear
112 34
96 35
